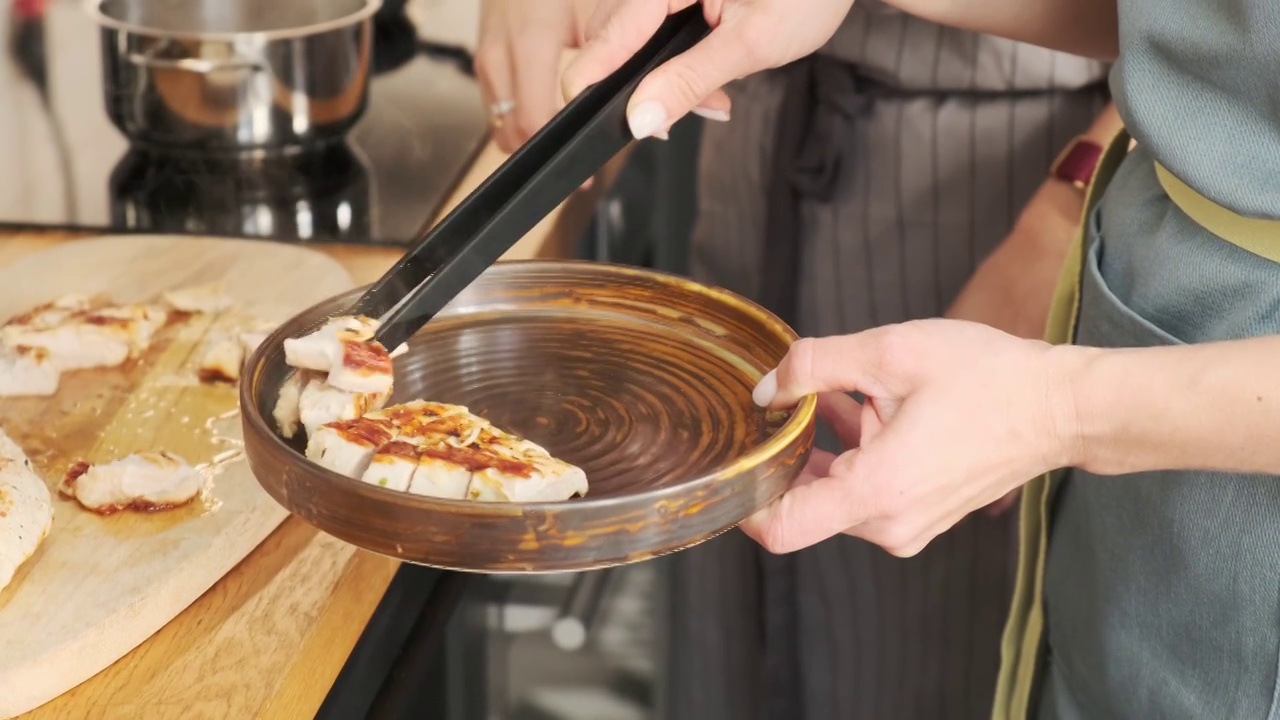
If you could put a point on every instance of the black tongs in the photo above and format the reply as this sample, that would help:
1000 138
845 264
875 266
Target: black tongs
572 147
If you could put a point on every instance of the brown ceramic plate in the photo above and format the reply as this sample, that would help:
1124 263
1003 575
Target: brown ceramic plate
642 379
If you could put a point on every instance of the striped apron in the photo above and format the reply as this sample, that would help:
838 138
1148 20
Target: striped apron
855 188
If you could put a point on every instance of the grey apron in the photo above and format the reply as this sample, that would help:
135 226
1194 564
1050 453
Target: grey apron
1162 589
855 188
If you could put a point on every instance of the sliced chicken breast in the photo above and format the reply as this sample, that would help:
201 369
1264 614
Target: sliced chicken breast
221 358
347 446
137 323
365 367
26 509
424 423
209 298
75 346
101 337
47 315
322 349
145 482
286 410
27 372
392 466
442 472
522 471
321 403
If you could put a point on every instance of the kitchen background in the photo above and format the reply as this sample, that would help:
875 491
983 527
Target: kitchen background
459 647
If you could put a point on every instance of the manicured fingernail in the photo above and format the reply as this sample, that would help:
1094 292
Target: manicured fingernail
766 389
648 118
710 114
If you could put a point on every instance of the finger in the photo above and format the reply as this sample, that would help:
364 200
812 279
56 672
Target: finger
686 81
844 414
715 107
843 363
536 76
808 513
493 70
819 466
615 32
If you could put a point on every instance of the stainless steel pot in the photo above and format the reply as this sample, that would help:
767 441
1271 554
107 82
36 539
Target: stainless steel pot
235 74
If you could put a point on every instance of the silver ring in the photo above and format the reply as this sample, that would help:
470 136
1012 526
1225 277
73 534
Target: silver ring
502 107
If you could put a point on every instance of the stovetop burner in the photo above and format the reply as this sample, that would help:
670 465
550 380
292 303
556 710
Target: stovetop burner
321 193
68 167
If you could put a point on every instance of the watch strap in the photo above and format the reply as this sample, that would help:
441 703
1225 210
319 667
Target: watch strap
1077 162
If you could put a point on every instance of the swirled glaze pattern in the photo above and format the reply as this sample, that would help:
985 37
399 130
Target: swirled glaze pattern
642 379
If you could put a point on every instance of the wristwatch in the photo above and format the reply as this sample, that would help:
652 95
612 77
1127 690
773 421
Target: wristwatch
1077 162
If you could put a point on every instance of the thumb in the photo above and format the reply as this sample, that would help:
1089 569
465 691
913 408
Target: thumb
840 363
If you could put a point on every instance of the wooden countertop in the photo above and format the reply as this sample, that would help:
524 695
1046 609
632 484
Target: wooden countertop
269 639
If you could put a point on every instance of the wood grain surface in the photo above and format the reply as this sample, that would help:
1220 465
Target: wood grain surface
297 584
98 586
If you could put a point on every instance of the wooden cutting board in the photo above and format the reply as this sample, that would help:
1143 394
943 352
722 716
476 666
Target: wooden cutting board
99 586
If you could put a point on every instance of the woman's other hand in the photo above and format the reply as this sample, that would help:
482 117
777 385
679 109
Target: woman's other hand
957 415
518 59
747 36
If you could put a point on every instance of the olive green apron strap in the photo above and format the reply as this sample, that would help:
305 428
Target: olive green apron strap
1021 646
1259 236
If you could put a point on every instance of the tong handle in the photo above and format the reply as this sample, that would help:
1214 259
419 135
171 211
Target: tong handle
567 151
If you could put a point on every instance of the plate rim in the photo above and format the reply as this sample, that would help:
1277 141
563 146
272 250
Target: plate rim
802 415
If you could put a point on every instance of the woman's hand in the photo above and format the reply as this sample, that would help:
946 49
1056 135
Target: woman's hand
518 60
957 415
747 36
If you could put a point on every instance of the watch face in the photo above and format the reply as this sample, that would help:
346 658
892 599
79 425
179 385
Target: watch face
1078 162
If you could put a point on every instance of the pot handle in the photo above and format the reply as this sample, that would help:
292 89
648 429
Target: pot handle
201 66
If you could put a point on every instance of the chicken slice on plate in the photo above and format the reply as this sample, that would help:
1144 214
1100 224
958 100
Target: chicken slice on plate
27 372
413 412
328 349
322 349
522 471
208 298
347 446
321 403
444 471
392 466
286 411
421 422
365 367
145 481
26 509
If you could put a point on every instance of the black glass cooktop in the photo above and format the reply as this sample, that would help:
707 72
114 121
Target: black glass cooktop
66 166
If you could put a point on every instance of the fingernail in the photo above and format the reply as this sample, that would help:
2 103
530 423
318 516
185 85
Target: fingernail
648 118
661 135
766 389
708 113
